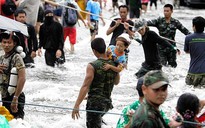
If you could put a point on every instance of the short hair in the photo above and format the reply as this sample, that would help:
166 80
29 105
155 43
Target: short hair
19 11
6 35
124 38
125 42
168 6
188 107
123 6
199 23
99 45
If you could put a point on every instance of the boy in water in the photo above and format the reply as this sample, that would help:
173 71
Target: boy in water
117 53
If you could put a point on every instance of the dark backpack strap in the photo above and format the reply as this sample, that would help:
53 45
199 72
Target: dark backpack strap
8 71
9 68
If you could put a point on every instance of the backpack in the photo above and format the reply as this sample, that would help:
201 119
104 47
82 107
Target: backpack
70 15
9 7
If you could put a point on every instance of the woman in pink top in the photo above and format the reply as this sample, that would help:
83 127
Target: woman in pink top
144 5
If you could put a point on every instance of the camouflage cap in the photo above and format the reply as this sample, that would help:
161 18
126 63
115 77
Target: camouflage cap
139 24
156 79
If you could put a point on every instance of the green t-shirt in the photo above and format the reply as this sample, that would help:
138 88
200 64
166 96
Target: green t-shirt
124 119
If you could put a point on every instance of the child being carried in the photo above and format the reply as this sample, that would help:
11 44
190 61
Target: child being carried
117 53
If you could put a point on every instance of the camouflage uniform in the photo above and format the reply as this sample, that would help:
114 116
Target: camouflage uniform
99 94
195 79
168 30
147 117
125 119
14 60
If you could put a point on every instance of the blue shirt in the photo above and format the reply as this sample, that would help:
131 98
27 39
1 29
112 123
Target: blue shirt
94 8
195 44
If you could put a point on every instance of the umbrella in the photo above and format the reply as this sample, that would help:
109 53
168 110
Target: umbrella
12 25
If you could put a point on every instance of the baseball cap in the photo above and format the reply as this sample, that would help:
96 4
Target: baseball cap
139 24
125 38
155 79
139 86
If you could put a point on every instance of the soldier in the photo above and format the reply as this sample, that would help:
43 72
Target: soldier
98 84
155 93
167 27
125 119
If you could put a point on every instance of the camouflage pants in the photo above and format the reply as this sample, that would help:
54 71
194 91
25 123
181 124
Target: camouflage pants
167 57
196 80
94 119
146 68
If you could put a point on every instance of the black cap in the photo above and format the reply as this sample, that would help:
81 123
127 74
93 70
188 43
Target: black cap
47 11
156 79
139 86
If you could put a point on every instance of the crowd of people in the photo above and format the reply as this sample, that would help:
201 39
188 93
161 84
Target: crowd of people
48 28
